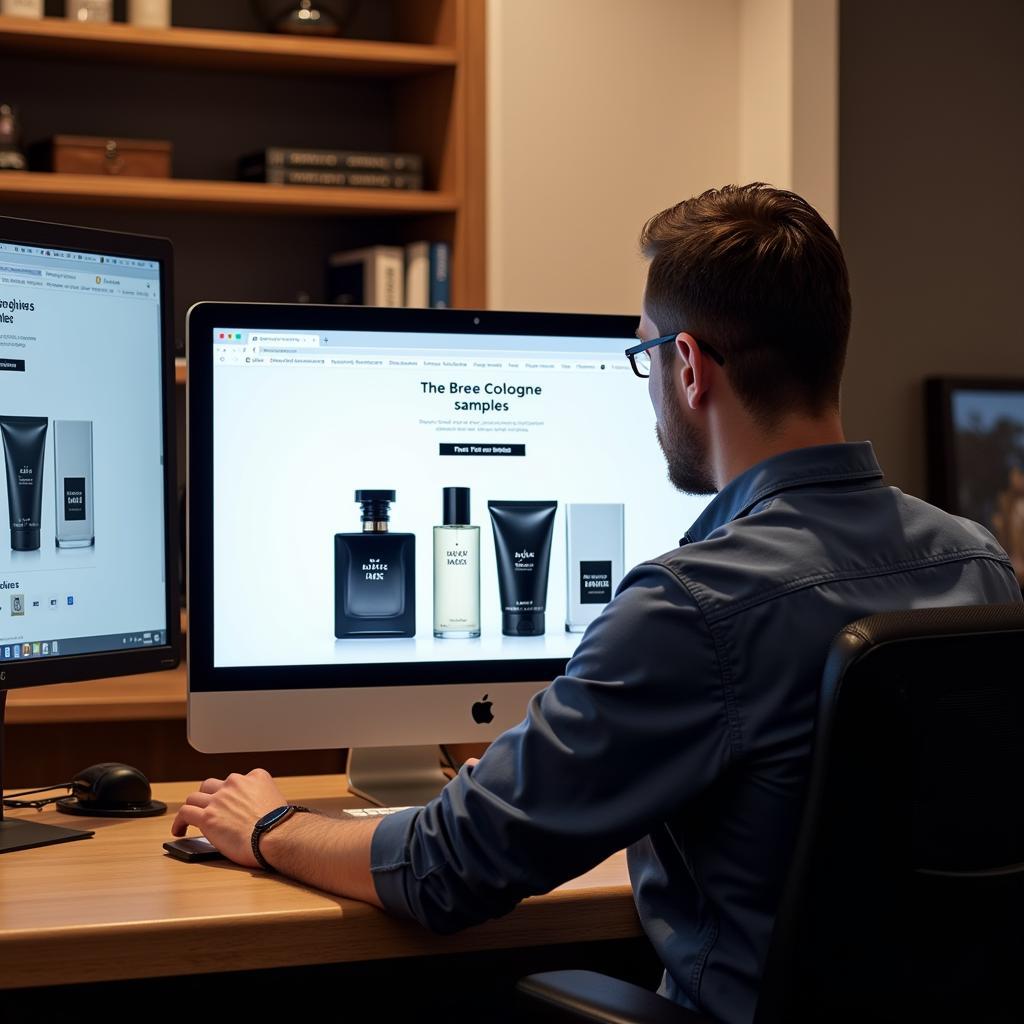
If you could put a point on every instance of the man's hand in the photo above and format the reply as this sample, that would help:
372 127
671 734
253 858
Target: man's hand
225 810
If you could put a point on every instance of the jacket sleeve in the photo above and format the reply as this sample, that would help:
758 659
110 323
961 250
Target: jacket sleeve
635 727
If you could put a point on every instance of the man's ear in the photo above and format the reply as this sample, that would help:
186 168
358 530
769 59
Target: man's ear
692 369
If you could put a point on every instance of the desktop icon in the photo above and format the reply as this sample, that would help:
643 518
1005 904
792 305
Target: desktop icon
53 602
17 651
46 647
26 650
17 604
53 647
7 652
36 647
71 600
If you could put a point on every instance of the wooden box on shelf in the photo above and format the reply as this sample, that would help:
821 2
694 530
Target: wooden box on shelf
94 154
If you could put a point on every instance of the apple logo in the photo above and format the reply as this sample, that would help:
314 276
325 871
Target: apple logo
482 713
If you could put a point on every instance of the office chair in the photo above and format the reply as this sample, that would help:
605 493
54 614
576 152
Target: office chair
905 895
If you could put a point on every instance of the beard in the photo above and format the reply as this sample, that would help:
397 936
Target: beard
685 446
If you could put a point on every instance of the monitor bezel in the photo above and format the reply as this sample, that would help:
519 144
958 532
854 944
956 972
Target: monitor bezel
201 321
943 480
75 668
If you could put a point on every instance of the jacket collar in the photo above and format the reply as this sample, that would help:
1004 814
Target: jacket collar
820 464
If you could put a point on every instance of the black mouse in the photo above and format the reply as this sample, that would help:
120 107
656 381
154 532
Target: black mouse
111 790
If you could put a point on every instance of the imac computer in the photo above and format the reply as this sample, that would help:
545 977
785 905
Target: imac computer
401 522
88 545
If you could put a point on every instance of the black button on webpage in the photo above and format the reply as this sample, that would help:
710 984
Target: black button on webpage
485 448
14 365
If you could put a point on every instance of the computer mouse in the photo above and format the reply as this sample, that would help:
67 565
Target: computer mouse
111 790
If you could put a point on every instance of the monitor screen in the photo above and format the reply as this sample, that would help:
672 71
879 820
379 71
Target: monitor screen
83 549
444 501
987 457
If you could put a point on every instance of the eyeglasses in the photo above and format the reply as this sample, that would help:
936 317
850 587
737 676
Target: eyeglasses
639 356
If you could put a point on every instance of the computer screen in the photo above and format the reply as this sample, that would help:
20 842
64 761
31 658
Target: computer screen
85 373
401 499
976 455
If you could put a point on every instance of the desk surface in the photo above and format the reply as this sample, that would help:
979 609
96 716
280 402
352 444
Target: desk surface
115 906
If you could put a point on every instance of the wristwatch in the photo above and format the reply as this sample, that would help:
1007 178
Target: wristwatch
269 821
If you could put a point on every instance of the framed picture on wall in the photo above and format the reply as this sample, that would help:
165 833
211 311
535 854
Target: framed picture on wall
976 455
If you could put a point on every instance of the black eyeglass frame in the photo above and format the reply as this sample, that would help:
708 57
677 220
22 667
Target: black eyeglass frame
632 353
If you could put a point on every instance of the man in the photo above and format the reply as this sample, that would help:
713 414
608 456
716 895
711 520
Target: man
683 723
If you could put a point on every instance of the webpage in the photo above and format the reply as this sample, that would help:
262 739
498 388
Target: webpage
81 522
540 452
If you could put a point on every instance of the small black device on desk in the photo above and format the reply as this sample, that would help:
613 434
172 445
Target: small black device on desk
193 849
111 790
106 790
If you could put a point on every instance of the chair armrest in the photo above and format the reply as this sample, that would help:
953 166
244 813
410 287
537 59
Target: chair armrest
589 996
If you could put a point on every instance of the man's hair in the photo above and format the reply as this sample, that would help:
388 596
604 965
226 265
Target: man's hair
756 273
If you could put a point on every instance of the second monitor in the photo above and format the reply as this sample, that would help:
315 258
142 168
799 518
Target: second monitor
402 521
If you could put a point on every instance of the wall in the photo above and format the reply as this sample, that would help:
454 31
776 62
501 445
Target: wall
600 114
931 206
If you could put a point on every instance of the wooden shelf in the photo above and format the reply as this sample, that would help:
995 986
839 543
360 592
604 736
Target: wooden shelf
236 51
148 697
218 196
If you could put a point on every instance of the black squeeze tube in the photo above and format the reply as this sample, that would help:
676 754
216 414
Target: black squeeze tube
522 545
24 450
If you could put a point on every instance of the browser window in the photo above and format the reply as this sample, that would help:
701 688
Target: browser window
81 523
408 497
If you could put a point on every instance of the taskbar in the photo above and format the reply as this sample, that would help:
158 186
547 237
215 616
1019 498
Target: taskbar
21 650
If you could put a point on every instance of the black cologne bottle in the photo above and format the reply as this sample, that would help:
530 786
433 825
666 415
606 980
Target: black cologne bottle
374 575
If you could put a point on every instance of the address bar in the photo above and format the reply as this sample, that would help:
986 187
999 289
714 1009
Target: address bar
289 340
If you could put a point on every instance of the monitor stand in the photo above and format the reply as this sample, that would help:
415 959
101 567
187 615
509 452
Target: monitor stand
395 776
18 834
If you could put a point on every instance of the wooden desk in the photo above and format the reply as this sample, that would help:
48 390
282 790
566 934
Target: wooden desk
116 907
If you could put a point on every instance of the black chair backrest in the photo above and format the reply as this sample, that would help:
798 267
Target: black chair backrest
905 899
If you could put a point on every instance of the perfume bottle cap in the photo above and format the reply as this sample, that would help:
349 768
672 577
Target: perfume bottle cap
376 505
455 506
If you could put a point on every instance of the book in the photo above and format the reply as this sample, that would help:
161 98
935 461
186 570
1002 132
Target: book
255 164
374 276
417 275
440 292
342 179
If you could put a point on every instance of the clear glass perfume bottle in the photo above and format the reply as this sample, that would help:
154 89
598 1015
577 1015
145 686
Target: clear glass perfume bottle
456 569
374 575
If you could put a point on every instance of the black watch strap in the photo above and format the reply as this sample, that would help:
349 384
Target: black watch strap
268 823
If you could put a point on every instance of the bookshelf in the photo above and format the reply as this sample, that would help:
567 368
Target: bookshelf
408 77
218 48
218 196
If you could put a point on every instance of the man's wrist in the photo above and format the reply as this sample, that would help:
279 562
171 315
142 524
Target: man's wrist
265 843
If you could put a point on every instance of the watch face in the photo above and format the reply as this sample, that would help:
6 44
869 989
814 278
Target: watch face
273 817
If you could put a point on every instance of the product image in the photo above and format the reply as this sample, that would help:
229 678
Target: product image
72 474
374 575
456 569
594 558
24 448
522 546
